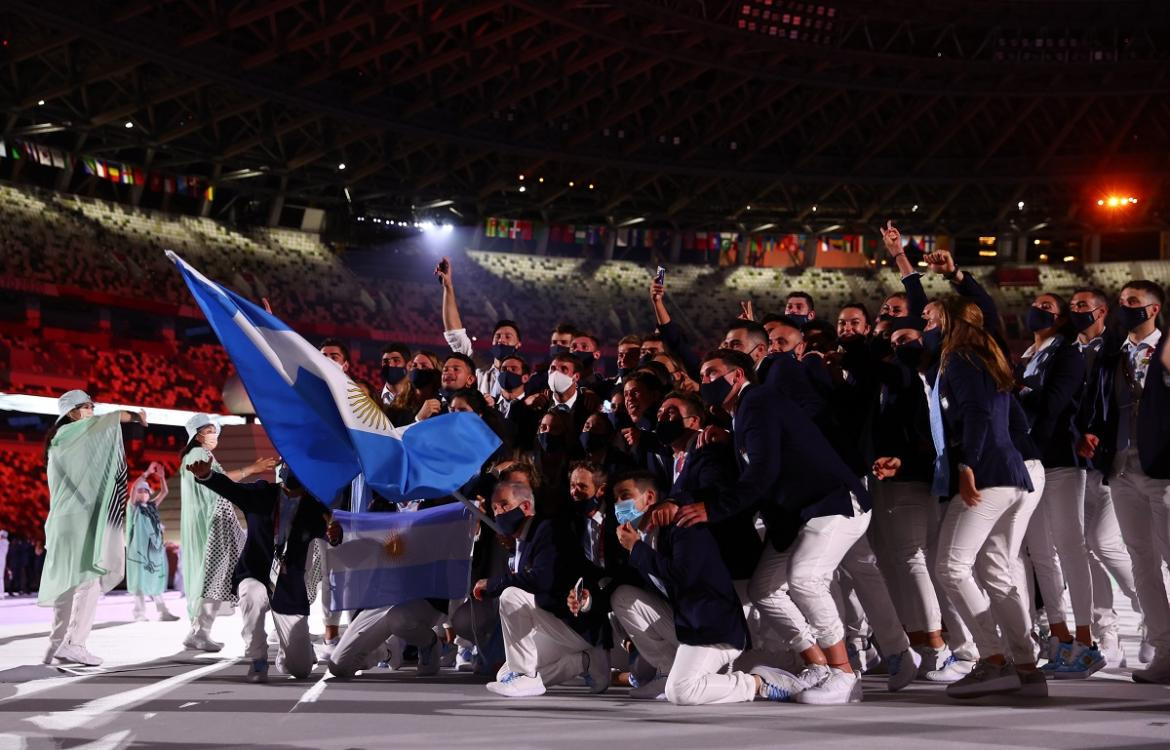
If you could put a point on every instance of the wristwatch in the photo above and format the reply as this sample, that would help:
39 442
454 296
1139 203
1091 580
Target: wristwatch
951 275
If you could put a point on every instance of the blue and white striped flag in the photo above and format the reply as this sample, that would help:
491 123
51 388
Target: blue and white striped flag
323 424
391 558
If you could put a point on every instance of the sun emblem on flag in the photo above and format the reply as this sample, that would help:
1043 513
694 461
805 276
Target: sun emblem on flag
394 545
365 409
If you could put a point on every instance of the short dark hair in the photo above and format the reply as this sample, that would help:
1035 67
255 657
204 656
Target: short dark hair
1096 293
462 358
1149 287
339 344
642 479
598 472
568 358
754 330
652 337
784 320
505 323
633 338
804 296
824 327
736 360
583 335
524 368
473 398
858 306
644 378
398 347
692 400
895 295
568 328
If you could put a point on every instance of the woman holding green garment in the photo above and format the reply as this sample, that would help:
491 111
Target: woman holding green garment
146 557
84 547
211 537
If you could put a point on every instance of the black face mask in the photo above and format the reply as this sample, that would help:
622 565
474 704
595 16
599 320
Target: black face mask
715 392
585 359
509 381
445 394
1082 321
645 359
556 350
593 441
932 340
624 372
1132 317
910 354
669 430
588 506
550 443
798 319
424 378
501 351
393 375
511 521
1039 319
885 317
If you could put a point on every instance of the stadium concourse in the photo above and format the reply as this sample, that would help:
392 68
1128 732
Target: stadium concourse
147 694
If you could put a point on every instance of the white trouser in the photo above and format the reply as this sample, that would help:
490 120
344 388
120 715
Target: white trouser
1056 545
201 625
793 589
140 605
296 656
537 641
907 516
1142 505
693 677
363 644
648 620
73 613
324 589
1107 555
980 545
870 586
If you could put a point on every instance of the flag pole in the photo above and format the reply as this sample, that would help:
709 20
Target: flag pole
475 509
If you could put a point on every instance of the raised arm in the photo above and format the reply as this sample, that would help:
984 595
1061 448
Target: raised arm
250 498
163 489
893 241
453 330
671 334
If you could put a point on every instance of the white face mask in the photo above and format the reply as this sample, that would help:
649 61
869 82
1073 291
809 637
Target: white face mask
559 381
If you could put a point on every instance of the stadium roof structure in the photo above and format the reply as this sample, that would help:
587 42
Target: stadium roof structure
761 112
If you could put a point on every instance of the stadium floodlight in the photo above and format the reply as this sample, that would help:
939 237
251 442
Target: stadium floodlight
522 188
447 228
40 102
1020 205
427 226
129 124
341 165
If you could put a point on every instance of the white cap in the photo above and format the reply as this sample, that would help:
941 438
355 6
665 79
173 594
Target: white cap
199 421
70 400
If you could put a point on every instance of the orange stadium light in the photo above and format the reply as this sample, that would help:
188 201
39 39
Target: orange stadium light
1117 201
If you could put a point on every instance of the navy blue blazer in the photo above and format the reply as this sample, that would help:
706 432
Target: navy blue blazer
707 611
788 470
709 474
1153 424
259 501
977 416
549 566
806 381
1052 401
901 427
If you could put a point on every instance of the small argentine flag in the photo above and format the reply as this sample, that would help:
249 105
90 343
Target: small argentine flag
323 424
391 558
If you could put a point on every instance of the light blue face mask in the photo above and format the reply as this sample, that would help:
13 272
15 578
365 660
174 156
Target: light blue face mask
626 512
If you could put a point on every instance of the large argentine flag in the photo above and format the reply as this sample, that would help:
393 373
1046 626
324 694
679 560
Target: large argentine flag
391 558
323 424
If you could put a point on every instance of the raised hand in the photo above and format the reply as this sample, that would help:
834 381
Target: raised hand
201 469
261 465
893 238
745 310
940 261
443 272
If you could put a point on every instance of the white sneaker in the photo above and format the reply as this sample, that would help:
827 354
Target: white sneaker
655 690
516 685
429 658
1158 673
75 653
986 678
777 685
596 672
813 675
200 642
326 649
839 687
952 671
931 660
903 669
465 660
1112 650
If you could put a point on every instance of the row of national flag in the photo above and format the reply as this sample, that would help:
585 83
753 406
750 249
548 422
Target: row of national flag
116 172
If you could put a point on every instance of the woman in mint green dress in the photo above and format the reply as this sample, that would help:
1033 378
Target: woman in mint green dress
146 557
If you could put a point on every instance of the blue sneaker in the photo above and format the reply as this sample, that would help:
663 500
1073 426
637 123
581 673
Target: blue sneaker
1079 662
1050 669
